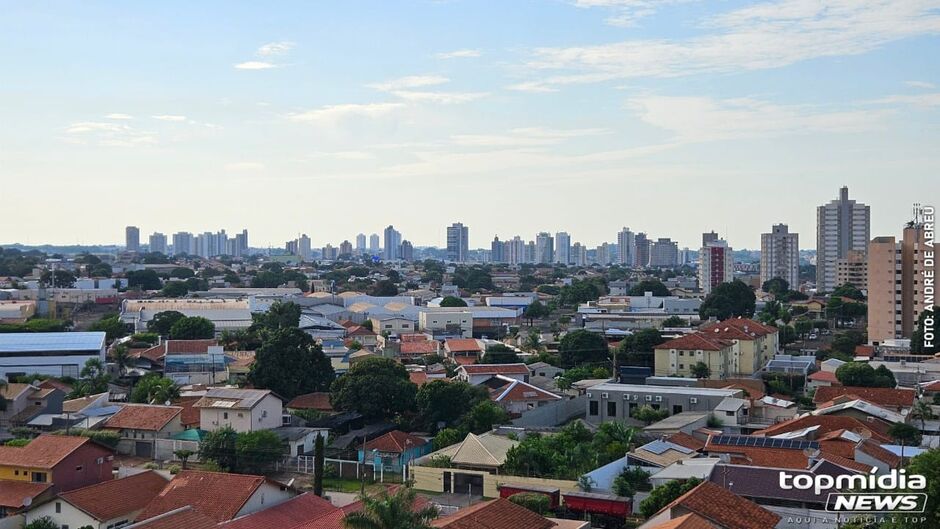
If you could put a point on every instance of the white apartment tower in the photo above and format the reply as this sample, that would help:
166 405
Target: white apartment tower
458 246
841 225
780 255
157 243
544 248
563 247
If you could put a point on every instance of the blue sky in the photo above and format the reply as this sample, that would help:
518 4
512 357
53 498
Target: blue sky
671 117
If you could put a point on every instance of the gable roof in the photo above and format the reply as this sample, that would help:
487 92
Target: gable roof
487 450
824 376
185 517
738 329
828 423
319 401
14 493
45 451
143 417
495 369
462 345
875 450
686 440
695 342
232 398
300 510
395 442
687 521
725 508
494 514
505 389
419 347
116 497
902 398
217 495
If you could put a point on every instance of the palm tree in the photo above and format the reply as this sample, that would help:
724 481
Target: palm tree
921 411
391 511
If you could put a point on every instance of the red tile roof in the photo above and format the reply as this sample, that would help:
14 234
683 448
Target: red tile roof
518 391
695 342
117 497
215 494
303 509
418 378
494 514
754 387
147 417
495 369
900 398
873 449
845 462
13 493
183 518
45 451
825 376
319 401
52 383
739 329
419 348
465 360
394 442
686 440
190 415
687 521
462 345
157 352
864 350
725 508
828 423
414 338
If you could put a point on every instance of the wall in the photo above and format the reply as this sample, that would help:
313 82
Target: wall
266 496
70 515
164 448
432 479
553 414
65 477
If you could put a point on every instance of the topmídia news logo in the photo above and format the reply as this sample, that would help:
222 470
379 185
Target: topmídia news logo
860 493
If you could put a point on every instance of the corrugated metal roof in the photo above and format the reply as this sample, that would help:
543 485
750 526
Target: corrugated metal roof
51 341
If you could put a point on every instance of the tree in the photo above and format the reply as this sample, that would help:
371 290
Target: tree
63 279
375 387
580 291
290 363
729 300
926 464
257 450
281 315
473 278
534 311
583 347
650 285
154 389
192 328
384 288
93 379
181 272
483 416
183 455
162 322
453 301
143 280
847 341
442 402
905 434
447 437
675 321
861 374
534 501
391 510
649 414
500 354
776 286
701 370
219 446
318 459
847 290
665 494
44 522
111 325
174 289
631 480
637 348
921 411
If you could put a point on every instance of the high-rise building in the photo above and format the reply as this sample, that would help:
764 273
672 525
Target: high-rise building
642 244
897 274
345 249
563 247
329 252
853 269
407 251
457 243
626 242
517 251
392 244
603 254
715 265
303 248
292 247
183 243
664 253
709 237
241 244
157 243
841 225
578 254
531 254
361 244
132 239
544 248
780 256
374 244
496 250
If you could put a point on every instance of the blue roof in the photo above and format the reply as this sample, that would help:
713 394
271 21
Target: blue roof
27 342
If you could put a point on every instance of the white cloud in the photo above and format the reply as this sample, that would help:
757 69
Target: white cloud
444 98
342 155
119 116
332 113
930 99
411 81
169 117
255 65
525 137
767 35
459 54
921 84
275 48
628 12
108 134
244 166
534 87
697 119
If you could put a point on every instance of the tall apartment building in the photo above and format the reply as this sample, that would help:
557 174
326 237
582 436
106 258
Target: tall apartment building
531 253
374 244
498 250
392 244
346 248
715 264
642 244
853 269
157 242
303 248
626 242
841 225
664 253
132 238
240 248
896 282
562 247
329 253
603 254
360 244
709 237
458 246
517 251
183 243
407 251
578 254
780 255
544 248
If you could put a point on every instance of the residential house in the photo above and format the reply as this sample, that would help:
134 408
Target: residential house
185 517
140 425
516 396
821 379
810 426
497 514
544 370
393 451
897 400
16 497
411 350
446 322
25 401
66 462
393 325
478 373
659 454
105 505
470 461
463 350
306 511
711 505
245 410
317 401
493 321
617 402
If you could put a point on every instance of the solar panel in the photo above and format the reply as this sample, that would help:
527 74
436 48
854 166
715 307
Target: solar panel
763 442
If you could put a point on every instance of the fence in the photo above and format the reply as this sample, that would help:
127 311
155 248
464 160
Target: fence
163 450
341 468
558 412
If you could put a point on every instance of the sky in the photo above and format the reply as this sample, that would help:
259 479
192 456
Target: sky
670 117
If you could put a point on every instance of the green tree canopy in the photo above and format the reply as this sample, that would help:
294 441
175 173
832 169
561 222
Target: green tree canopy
384 288
111 325
143 280
664 494
649 414
453 301
162 322
583 347
290 363
63 279
192 328
861 374
649 285
281 315
154 389
701 370
375 387
440 402
729 300
391 510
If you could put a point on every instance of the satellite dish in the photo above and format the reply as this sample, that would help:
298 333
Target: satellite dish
864 433
811 453
27 501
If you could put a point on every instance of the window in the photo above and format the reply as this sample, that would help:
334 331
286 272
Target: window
592 408
225 415
79 468
38 477
612 408
58 507
676 409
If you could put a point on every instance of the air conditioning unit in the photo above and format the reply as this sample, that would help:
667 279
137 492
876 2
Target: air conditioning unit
604 395
649 398
636 397
626 397
693 400
589 395
659 398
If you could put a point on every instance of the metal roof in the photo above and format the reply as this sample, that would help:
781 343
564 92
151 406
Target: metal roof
51 341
